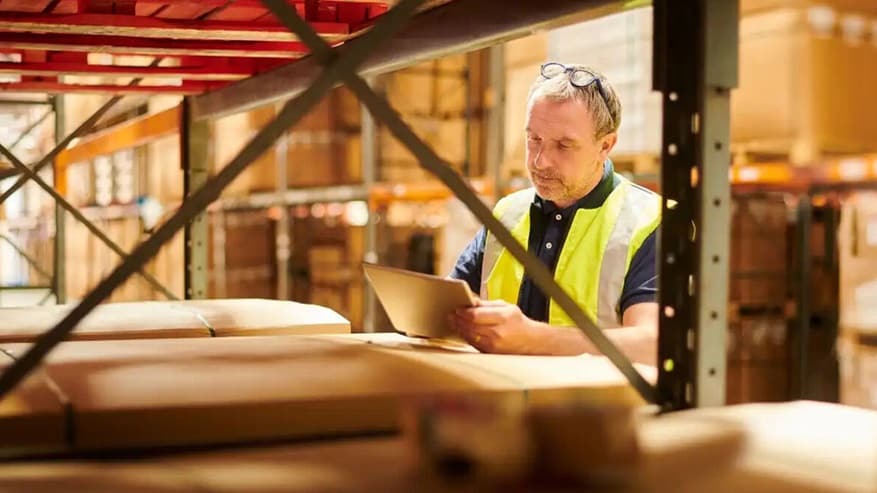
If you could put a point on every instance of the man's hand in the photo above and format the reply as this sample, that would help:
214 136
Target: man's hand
495 327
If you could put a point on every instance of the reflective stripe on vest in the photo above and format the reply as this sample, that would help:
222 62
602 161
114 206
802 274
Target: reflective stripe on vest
595 257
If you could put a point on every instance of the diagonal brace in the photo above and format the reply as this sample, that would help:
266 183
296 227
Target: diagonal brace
31 128
540 274
30 260
31 174
291 112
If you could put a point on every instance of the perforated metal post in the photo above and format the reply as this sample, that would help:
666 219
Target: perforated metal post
194 146
695 69
59 277
369 135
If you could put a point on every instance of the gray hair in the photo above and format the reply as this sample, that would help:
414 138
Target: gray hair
607 114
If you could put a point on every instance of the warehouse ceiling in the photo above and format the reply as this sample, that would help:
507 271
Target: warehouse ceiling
176 46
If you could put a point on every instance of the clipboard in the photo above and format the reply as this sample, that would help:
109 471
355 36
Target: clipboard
418 304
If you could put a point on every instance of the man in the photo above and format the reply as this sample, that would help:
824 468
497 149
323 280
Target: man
594 229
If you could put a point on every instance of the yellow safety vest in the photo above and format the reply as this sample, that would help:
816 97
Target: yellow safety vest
595 257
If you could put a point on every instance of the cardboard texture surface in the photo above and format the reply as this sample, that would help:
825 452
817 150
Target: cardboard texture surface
738 448
163 392
31 416
176 319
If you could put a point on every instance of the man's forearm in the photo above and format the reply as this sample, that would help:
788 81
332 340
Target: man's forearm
638 343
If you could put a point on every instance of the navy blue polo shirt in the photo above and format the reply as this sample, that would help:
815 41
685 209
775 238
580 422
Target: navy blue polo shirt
549 226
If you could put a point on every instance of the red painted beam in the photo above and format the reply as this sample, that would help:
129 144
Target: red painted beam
203 72
152 27
187 88
155 47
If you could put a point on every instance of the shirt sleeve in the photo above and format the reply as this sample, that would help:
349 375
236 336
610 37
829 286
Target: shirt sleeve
641 282
468 267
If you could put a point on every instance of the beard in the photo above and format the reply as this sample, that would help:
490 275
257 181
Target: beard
550 186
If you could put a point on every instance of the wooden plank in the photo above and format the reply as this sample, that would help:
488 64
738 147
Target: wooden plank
153 27
131 133
175 392
148 46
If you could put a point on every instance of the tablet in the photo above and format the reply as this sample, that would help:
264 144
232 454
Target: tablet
418 304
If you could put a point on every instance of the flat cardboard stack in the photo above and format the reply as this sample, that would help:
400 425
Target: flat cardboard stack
200 391
857 345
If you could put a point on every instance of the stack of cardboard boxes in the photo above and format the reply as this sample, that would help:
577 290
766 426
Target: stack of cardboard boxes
807 72
857 343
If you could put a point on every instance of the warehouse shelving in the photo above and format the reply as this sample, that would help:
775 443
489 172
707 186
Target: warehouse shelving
695 83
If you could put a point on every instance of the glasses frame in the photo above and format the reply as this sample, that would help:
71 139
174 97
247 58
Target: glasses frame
570 72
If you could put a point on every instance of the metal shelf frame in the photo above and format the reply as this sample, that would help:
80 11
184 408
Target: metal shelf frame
695 69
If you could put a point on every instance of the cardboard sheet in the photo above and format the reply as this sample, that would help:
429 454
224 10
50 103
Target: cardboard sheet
697 450
176 319
159 392
32 416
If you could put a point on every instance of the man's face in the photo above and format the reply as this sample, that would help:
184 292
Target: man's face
564 158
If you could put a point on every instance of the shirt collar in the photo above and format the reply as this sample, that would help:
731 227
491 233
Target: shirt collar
593 200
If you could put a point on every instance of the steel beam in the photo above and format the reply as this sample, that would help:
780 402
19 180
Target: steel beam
695 69
534 267
369 167
156 27
49 87
337 68
59 280
194 148
282 238
198 72
801 335
295 196
457 27
25 102
121 45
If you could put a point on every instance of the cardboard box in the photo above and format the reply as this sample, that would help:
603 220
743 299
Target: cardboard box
805 81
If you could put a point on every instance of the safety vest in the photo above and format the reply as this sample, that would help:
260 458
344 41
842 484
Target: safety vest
595 256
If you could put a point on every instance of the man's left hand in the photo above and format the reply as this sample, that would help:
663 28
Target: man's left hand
495 327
